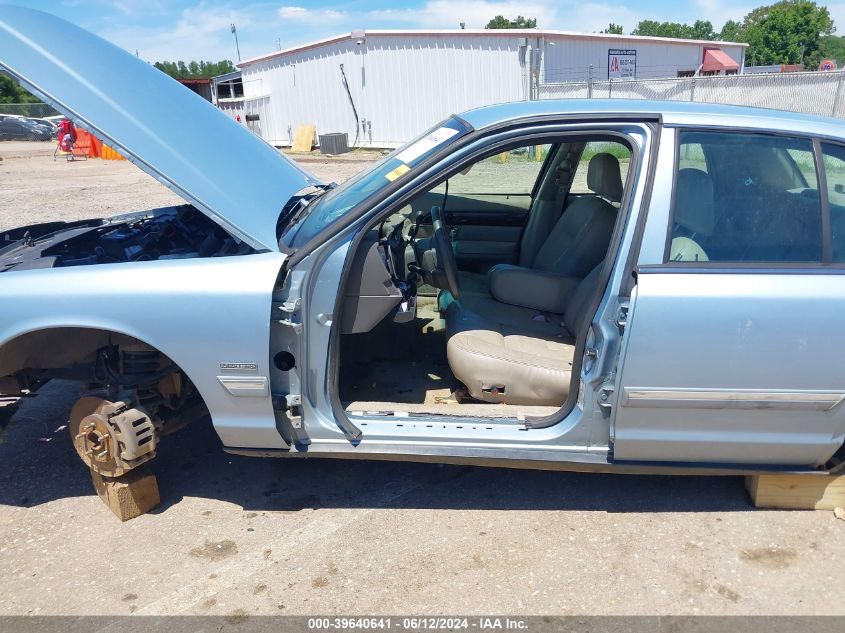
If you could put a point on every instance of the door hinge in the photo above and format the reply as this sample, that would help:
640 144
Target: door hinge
606 392
294 409
291 405
290 308
288 413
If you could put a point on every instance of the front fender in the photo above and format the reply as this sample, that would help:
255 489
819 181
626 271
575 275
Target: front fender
199 312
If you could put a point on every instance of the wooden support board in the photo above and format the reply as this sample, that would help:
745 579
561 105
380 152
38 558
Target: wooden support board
303 138
129 496
797 492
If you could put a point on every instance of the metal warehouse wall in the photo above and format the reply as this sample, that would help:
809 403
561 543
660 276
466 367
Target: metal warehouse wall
401 85
569 58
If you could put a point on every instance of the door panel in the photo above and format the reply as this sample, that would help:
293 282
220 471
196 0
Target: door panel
486 228
726 358
732 368
477 246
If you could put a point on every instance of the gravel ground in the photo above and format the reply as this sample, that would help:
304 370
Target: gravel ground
35 188
242 536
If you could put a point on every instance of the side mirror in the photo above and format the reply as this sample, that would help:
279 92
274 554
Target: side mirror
839 188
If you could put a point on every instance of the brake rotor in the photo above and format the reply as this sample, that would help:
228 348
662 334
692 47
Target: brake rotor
93 437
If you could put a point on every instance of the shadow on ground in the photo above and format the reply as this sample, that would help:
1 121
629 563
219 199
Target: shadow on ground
192 463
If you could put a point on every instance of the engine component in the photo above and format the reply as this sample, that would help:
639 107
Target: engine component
168 233
110 437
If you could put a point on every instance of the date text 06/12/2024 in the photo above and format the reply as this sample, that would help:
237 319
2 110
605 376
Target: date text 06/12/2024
480 623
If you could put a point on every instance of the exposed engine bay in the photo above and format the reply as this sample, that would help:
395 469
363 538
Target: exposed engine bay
179 232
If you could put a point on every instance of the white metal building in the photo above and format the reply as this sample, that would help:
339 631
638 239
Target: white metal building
402 82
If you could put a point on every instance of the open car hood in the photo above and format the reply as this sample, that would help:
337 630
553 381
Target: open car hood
179 138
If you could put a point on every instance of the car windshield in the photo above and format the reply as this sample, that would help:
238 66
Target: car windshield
338 201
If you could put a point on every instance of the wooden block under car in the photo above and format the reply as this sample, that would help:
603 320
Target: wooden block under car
303 138
797 492
130 495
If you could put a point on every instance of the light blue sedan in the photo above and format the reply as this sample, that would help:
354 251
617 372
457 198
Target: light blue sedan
590 285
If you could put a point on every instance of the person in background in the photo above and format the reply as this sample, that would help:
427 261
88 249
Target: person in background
66 135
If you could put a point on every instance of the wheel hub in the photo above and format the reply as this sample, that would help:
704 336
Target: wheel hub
109 437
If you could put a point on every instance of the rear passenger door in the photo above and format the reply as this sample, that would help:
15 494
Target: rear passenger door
487 206
733 347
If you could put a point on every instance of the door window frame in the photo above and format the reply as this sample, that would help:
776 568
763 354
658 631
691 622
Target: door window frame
494 141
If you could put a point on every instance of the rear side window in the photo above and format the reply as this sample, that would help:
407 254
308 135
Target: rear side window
745 197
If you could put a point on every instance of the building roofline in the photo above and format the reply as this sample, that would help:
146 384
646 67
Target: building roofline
552 34
235 74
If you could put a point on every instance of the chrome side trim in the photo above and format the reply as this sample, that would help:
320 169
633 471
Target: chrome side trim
245 386
729 399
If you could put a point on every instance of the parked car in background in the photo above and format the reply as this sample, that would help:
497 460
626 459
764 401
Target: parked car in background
20 129
583 284
46 124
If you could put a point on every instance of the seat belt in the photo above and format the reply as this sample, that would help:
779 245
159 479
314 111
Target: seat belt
566 175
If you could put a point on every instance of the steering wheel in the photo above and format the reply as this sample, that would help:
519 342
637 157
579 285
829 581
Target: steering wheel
445 255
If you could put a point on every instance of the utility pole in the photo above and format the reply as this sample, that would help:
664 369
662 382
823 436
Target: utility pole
235 33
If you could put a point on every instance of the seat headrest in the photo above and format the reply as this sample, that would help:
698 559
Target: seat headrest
603 177
694 207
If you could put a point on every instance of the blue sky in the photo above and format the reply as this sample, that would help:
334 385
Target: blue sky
177 29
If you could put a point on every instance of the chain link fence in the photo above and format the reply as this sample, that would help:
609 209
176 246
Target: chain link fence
35 110
818 93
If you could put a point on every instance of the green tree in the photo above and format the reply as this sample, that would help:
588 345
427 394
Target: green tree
787 32
700 30
833 47
501 22
195 70
703 30
614 29
731 32
11 91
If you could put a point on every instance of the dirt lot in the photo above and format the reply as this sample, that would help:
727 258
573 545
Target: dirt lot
242 536
35 188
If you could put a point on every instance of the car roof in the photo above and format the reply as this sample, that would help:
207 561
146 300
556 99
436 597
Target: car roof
672 113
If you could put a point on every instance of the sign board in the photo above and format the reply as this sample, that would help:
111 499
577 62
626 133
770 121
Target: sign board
827 65
621 63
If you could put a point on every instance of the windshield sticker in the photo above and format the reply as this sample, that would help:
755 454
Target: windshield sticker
399 171
425 145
